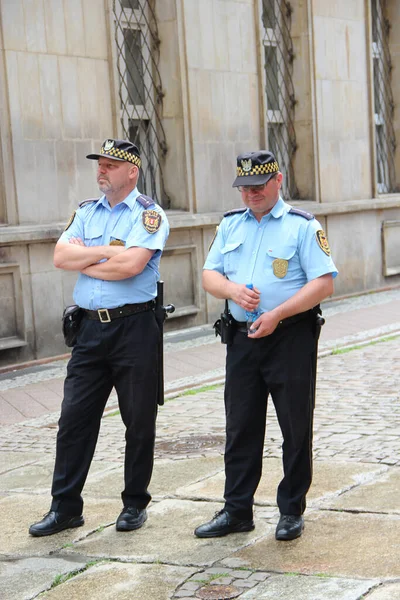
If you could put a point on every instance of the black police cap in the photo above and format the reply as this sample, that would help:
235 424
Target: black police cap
123 150
255 168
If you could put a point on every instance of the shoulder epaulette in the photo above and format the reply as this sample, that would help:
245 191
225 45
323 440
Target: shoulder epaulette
84 202
145 201
302 213
234 211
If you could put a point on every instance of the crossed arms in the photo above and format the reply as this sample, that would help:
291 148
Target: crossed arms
120 263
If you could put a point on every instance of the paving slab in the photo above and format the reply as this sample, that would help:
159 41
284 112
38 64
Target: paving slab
287 587
168 475
381 495
387 591
123 581
25 578
172 520
19 511
37 477
330 479
13 460
337 544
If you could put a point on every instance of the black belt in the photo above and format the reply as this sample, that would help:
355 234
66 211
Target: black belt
241 326
105 315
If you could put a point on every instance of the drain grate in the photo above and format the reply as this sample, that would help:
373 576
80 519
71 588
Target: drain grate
190 444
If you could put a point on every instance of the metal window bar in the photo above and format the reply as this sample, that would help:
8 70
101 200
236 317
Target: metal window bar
385 139
140 90
279 89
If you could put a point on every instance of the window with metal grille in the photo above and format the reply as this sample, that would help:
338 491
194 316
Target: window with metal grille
385 140
140 90
279 91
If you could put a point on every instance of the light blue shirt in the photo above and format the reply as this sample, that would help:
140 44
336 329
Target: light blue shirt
97 224
244 250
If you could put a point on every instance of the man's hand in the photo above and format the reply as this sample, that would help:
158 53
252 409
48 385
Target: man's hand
244 297
264 325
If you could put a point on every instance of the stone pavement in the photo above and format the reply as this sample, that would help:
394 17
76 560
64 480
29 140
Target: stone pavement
350 548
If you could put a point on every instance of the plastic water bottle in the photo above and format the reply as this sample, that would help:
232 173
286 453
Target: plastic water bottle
251 316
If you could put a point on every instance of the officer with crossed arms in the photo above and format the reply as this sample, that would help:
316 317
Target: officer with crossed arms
115 244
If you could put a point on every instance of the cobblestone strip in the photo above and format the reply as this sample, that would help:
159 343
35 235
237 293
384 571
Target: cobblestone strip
357 416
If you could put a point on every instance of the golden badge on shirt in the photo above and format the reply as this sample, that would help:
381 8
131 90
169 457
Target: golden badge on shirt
280 267
117 243
323 241
151 220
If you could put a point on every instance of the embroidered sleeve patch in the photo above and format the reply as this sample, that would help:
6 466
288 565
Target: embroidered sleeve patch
323 242
213 240
151 220
71 220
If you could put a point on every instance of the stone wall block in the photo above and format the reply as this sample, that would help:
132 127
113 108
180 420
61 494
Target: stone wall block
48 307
13 22
86 171
330 49
166 11
14 94
207 33
55 27
170 70
35 29
234 113
104 117
340 9
89 93
50 96
193 42
221 16
355 173
304 160
95 32
70 97
246 42
26 180
66 170
75 28
30 97
174 164
46 210
202 165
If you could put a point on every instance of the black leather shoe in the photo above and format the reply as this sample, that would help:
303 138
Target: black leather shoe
289 527
54 522
131 518
222 524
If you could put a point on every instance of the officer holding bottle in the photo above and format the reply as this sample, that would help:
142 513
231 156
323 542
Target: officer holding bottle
273 264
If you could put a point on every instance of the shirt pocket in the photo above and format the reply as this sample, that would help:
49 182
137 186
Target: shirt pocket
231 253
282 258
93 235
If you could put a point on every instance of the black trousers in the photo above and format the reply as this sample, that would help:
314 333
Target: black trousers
120 354
281 364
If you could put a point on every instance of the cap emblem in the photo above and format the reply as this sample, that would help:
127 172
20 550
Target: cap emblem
108 144
246 165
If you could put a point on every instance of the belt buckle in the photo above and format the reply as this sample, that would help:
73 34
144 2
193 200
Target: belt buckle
104 315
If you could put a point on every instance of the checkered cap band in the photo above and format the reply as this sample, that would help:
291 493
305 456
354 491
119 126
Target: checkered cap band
271 167
132 158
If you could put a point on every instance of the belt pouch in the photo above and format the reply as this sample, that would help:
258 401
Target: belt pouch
71 321
225 326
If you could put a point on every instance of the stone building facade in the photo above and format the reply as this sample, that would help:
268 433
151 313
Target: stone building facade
194 82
